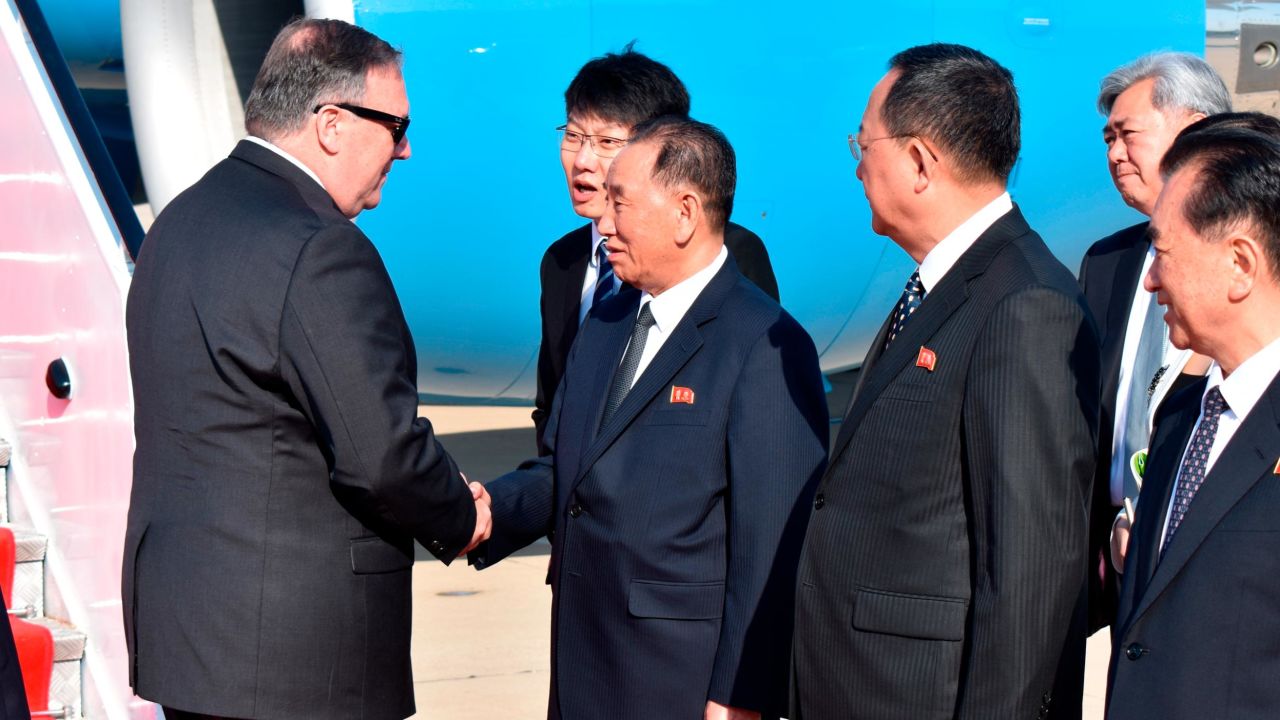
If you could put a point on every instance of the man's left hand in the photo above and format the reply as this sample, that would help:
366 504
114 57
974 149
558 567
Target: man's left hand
716 711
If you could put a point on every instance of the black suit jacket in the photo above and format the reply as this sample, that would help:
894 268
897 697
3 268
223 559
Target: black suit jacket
1109 275
676 526
13 694
281 472
564 265
943 575
1198 631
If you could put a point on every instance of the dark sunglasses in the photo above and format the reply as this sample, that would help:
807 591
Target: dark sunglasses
399 125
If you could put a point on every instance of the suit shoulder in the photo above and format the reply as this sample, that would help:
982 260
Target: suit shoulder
1027 263
1119 241
572 246
737 237
750 306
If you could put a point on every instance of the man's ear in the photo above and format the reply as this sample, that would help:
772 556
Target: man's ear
689 212
925 166
1249 263
328 128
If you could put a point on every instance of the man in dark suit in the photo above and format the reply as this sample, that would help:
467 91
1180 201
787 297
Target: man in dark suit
943 575
281 472
609 96
1146 102
686 437
1198 633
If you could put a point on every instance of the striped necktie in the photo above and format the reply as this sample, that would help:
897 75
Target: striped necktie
624 377
604 276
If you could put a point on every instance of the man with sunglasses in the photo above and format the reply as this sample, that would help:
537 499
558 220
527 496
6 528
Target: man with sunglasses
609 96
281 472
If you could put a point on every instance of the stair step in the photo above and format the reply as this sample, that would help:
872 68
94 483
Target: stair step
68 642
28 572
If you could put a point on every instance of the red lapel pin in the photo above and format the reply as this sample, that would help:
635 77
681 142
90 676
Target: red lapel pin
681 395
926 359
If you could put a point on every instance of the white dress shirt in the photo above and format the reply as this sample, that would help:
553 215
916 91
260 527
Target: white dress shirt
588 295
1173 358
1242 390
276 149
670 307
945 254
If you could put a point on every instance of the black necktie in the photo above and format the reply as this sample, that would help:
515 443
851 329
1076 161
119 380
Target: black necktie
626 372
1191 475
912 296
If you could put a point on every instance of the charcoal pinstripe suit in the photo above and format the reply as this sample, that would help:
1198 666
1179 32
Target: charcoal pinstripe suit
943 574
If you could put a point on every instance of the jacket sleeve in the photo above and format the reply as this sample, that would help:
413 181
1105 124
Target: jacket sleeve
1030 419
348 361
777 450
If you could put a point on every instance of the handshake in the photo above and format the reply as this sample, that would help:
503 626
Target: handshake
484 518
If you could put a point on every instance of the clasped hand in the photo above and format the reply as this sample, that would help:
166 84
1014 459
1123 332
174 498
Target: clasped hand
484 518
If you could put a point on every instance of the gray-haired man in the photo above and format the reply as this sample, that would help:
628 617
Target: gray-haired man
282 473
1147 102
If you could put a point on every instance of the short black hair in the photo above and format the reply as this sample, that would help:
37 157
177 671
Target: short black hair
1255 121
693 153
1237 183
962 101
627 88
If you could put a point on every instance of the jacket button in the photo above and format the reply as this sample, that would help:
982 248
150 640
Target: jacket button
436 547
575 510
1134 651
819 501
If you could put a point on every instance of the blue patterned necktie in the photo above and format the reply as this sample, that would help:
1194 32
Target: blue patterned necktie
1191 475
912 296
625 375
604 276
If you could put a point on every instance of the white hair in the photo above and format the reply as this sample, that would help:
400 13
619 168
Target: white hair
1182 82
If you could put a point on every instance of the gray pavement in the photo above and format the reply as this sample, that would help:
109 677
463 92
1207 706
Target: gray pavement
481 641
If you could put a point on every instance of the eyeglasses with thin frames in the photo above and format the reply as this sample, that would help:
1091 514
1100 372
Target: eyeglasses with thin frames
399 125
856 143
602 145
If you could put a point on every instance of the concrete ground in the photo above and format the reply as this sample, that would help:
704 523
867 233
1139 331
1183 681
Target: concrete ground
481 641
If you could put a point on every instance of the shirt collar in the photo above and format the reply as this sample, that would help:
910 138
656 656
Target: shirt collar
945 254
670 307
276 149
596 239
1245 386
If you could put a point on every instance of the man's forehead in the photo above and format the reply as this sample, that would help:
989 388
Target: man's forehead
596 125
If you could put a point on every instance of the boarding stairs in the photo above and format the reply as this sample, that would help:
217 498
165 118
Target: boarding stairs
50 650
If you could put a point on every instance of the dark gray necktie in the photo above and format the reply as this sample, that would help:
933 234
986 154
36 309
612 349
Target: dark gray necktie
625 375
1191 474
1146 363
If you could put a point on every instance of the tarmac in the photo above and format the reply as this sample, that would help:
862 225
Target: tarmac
481 640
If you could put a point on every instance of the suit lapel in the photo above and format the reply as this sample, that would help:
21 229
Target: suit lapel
601 352
675 352
873 356
1248 458
1164 458
1129 269
938 305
